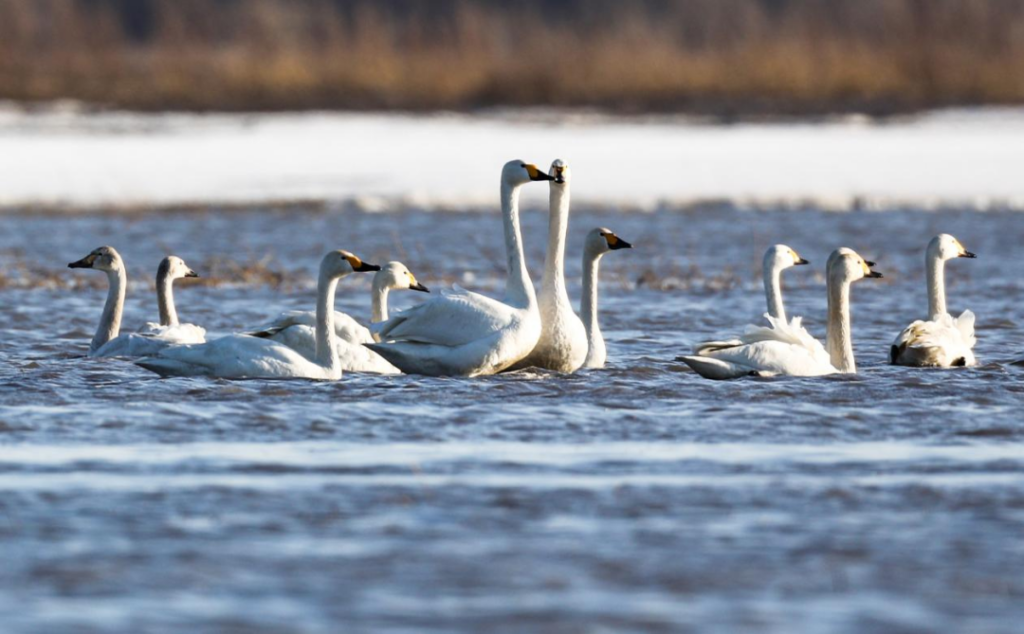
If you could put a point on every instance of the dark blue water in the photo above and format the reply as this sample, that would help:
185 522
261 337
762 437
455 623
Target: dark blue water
635 498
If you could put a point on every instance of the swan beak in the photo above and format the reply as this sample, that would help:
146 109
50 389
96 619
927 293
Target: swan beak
191 273
419 287
537 175
619 244
84 263
968 254
869 262
874 274
364 267
803 261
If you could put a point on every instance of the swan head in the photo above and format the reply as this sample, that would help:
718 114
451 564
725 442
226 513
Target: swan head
602 240
396 276
842 251
341 263
946 247
101 259
781 257
848 266
520 172
559 172
174 268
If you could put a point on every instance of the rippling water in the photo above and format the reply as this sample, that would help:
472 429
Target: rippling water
635 498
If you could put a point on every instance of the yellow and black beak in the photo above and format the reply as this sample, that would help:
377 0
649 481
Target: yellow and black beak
873 274
968 254
84 263
416 286
615 242
363 267
191 273
536 174
803 261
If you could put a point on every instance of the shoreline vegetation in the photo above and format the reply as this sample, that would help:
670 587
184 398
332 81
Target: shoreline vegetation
720 58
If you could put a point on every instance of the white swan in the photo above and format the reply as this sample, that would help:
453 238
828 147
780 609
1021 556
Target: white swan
942 341
247 357
787 348
563 338
464 333
172 268
295 328
108 342
599 241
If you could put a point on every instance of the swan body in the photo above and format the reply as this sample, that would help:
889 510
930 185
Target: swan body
598 242
248 357
295 329
462 333
941 341
108 340
562 346
786 348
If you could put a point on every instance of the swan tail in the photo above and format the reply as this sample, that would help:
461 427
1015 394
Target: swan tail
716 368
170 367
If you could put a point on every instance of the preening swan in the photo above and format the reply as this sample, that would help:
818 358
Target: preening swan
563 338
247 357
108 342
942 341
787 348
599 241
465 333
295 329
172 268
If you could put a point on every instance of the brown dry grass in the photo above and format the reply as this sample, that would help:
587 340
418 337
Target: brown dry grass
713 56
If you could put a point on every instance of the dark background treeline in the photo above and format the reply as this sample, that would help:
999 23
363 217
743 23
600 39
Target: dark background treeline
720 57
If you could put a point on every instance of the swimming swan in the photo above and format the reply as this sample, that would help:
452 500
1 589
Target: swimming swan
108 342
247 357
598 242
295 328
943 341
787 348
563 337
464 333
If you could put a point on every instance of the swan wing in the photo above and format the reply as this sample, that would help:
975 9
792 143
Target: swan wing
454 318
354 357
182 333
345 327
779 349
942 342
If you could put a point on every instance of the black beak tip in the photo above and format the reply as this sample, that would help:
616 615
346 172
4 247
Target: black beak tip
419 287
191 274
875 275
621 244
369 267
803 261
968 254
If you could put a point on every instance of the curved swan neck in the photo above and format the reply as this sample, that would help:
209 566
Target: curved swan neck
588 301
379 305
553 284
840 341
325 345
165 299
773 291
519 288
110 320
936 267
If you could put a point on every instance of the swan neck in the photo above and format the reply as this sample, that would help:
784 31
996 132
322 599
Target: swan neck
379 303
773 292
840 341
588 301
165 300
553 284
936 286
325 322
110 320
519 288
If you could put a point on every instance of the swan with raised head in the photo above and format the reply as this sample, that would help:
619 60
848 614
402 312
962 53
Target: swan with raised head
295 328
941 341
562 346
172 268
247 357
108 340
461 333
598 242
787 349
